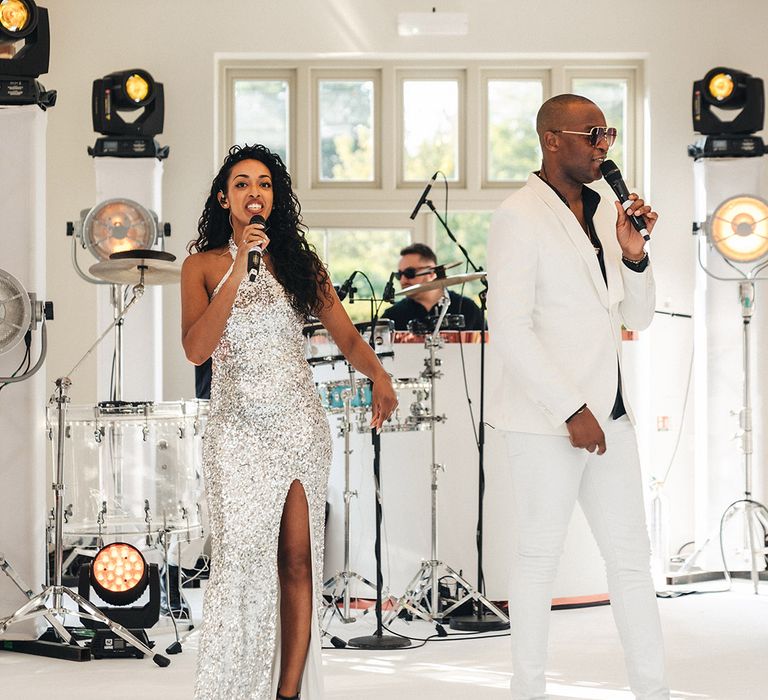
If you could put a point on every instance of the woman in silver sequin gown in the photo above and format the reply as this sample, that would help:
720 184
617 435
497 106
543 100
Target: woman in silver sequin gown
267 447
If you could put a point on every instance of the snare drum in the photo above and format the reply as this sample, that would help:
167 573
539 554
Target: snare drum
132 468
332 394
320 348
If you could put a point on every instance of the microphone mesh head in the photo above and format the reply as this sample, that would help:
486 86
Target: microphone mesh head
610 170
15 311
257 219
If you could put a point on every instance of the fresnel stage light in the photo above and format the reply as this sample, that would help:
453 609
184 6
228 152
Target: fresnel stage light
738 228
128 132
25 46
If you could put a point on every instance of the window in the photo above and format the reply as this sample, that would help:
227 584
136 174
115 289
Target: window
374 251
431 135
614 92
261 114
512 145
346 143
363 136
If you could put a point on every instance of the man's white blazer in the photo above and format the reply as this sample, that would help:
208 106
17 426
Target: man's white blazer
555 326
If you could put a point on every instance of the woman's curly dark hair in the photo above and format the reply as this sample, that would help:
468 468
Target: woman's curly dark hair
296 264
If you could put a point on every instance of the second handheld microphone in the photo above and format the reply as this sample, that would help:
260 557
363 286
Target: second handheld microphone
255 253
613 177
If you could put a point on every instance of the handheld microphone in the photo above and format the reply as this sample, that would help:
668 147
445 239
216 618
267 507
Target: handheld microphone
346 287
423 197
255 253
612 176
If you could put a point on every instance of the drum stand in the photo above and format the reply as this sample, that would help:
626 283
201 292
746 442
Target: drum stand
50 602
346 577
422 595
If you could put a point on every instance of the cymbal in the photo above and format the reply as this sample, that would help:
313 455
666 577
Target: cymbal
127 270
439 283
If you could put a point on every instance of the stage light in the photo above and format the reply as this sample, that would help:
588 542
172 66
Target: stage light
117 225
119 574
721 92
113 97
17 16
738 228
23 21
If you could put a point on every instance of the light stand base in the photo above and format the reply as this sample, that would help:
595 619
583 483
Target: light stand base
53 650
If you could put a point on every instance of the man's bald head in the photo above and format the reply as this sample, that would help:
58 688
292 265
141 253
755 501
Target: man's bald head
551 114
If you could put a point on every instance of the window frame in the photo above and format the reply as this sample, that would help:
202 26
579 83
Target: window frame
431 75
543 76
340 75
234 72
389 193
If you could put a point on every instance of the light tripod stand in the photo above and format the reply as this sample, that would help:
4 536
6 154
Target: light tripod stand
345 578
49 604
755 514
422 596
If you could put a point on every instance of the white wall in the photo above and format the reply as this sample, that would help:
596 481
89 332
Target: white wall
176 41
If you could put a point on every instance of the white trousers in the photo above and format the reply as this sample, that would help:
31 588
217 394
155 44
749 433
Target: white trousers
548 475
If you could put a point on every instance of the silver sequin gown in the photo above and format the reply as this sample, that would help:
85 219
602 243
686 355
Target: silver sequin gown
266 428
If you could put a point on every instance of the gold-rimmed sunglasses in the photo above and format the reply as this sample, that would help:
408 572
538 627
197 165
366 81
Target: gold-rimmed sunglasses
595 135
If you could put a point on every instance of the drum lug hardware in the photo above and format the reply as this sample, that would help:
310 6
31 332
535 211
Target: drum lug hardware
67 510
181 432
148 521
68 431
50 433
99 433
196 427
185 517
145 432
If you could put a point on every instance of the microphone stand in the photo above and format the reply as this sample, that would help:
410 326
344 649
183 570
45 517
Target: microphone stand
378 640
479 621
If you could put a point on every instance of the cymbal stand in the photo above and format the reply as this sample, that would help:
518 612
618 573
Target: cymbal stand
479 621
346 577
50 602
422 595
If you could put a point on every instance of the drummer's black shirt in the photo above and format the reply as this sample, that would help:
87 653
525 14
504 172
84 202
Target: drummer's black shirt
408 310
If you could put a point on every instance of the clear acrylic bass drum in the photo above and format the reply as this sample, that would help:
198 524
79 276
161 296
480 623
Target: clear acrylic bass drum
132 468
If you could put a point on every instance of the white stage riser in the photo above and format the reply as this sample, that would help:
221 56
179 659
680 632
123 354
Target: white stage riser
22 405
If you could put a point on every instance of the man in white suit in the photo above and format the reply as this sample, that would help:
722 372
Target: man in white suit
565 271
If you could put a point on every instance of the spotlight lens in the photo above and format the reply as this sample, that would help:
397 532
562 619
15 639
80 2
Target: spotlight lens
721 86
137 88
111 571
14 15
739 229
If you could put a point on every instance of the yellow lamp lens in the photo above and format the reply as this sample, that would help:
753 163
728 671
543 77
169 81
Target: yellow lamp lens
14 15
721 86
137 88
739 229
111 567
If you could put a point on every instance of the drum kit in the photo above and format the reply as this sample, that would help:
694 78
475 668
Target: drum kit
350 400
132 470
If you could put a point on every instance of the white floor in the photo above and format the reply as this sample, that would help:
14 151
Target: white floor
717 648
